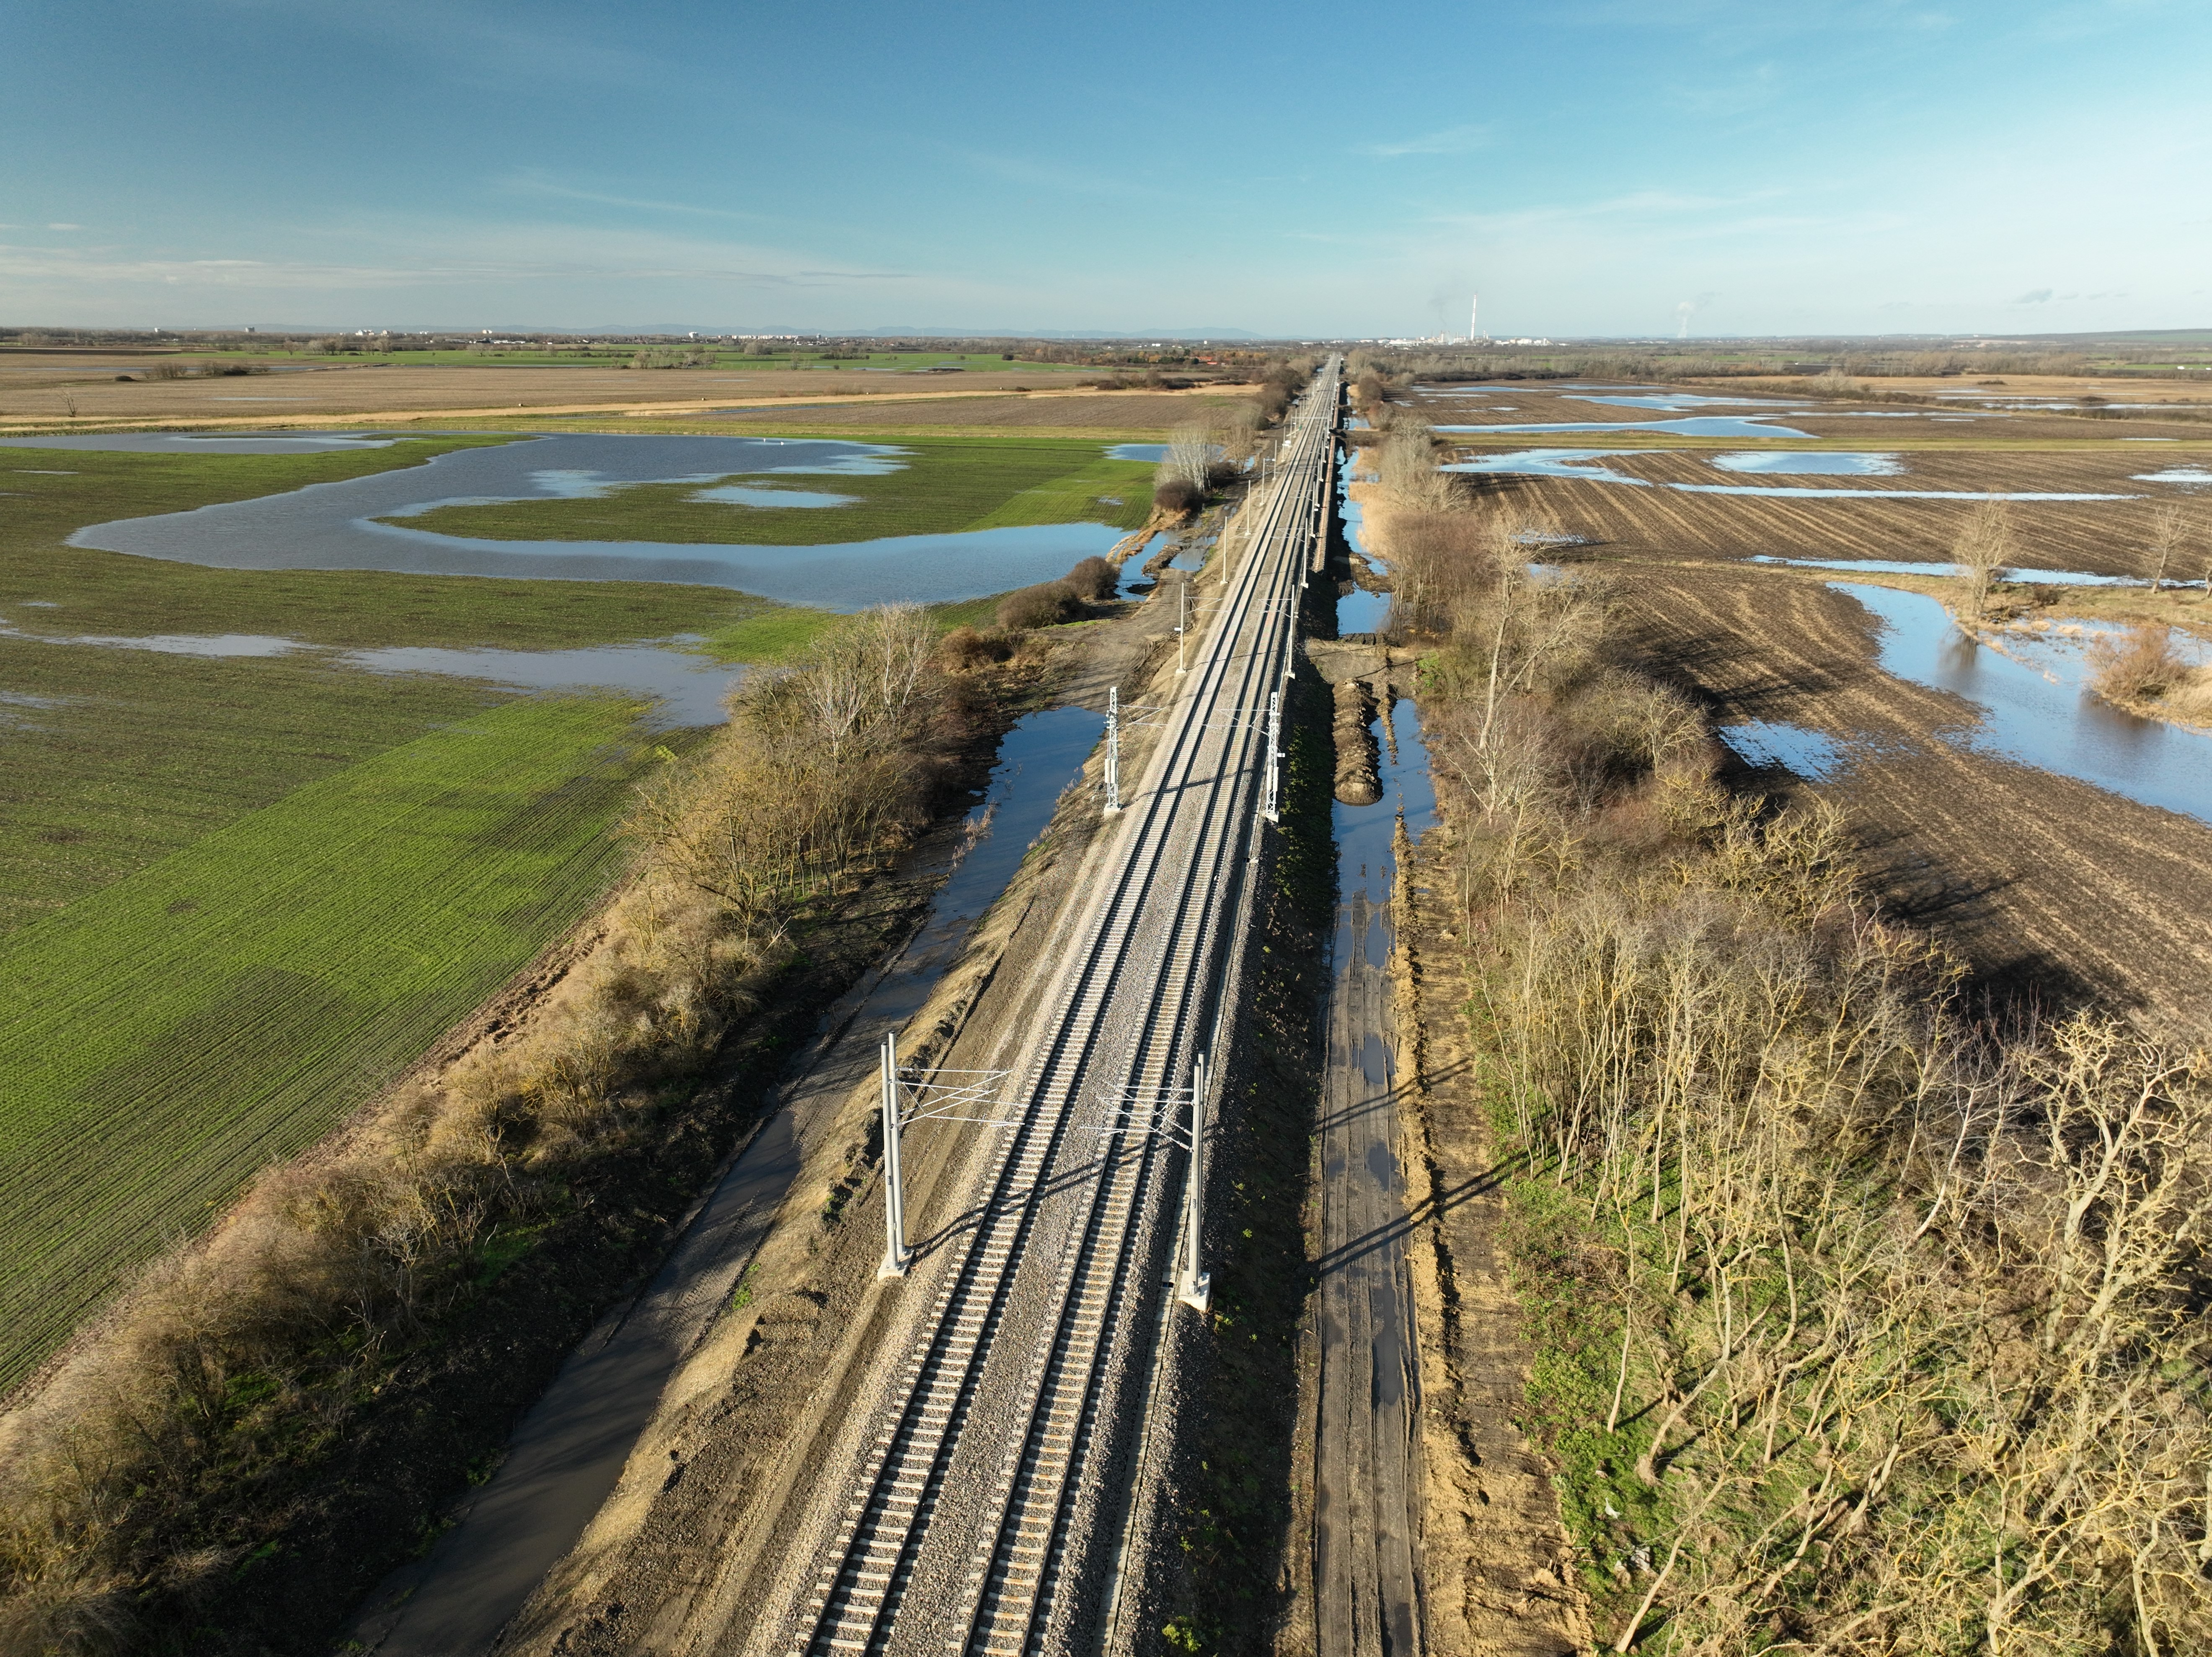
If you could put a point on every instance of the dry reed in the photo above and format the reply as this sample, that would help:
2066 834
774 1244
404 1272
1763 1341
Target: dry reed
1866 1323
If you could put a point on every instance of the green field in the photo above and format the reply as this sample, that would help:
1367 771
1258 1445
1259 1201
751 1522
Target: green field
947 484
49 493
228 1005
239 895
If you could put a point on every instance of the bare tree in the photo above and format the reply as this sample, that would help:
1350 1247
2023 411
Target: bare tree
2169 533
1984 546
1189 457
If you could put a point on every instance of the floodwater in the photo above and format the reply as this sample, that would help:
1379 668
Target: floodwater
1038 759
1680 400
1812 755
1359 611
1366 861
332 526
2176 474
2039 714
1693 425
2056 578
687 689
1802 464
1152 453
1577 463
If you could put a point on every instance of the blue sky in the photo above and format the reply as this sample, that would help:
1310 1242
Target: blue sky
1592 167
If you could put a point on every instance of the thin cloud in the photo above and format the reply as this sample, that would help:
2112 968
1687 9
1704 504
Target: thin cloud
1045 175
528 185
1452 141
34 263
2033 296
64 226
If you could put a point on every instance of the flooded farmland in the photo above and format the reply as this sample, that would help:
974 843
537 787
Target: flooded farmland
337 526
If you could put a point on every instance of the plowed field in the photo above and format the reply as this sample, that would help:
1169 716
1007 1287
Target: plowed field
2107 537
2042 882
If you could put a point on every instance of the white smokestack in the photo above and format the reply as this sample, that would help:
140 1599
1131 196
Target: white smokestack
1473 310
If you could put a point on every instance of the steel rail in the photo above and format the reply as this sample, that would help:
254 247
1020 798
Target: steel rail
1122 1020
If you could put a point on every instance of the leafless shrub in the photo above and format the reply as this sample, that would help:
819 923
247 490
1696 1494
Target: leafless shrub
1239 431
1094 579
1189 457
2138 664
1907 1313
1046 605
2170 531
1407 464
1178 496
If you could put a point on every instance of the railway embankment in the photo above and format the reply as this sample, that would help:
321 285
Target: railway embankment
757 1401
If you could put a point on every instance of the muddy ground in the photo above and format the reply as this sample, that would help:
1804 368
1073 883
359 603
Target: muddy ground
2042 884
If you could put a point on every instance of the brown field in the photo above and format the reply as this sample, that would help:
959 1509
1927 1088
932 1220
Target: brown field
2195 389
2040 882
1103 413
2107 537
1532 403
33 397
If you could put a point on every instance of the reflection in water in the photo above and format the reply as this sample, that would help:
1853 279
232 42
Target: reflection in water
171 644
688 689
1675 400
2025 717
1803 462
1040 756
1366 861
1359 611
744 496
1362 611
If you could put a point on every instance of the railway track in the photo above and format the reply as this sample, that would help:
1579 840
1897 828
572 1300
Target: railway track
967 1523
